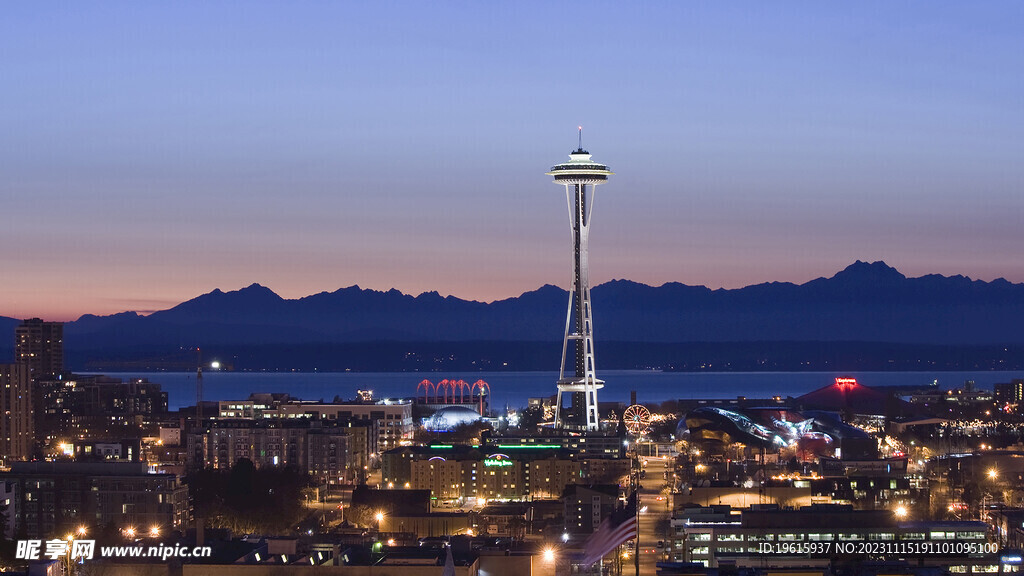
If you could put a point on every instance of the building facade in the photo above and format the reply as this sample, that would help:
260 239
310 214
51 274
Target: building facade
393 417
98 407
593 446
465 472
40 345
770 537
335 452
17 417
53 498
586 506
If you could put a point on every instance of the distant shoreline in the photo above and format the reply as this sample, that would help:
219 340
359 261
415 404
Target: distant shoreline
514 388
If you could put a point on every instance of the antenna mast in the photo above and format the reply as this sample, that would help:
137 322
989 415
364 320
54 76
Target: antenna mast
199 387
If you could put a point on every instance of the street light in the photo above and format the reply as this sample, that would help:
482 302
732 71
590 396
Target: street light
993 473
549 554
81 530
154 531
900 511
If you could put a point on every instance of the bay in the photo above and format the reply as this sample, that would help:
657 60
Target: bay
514 388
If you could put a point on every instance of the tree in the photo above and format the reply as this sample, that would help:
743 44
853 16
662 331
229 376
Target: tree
530 418
247 499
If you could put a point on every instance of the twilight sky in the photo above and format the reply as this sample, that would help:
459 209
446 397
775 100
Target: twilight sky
150 152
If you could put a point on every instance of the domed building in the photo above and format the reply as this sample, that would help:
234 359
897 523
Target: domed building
448 418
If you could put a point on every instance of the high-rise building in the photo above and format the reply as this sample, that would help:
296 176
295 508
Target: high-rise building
580 176
40 345
17 430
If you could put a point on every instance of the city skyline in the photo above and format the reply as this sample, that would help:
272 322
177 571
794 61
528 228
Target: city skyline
152 154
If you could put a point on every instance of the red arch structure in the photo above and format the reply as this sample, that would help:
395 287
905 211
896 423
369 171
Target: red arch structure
427 386
463 388
445 392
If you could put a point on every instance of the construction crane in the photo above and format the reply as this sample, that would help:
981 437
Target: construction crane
199 387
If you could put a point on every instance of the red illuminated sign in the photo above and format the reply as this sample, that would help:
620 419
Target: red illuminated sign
846 382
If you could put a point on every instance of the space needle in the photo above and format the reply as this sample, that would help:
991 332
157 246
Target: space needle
580 176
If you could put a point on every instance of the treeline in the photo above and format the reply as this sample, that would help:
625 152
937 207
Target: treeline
250 500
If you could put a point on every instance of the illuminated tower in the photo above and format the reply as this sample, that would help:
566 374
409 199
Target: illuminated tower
580 176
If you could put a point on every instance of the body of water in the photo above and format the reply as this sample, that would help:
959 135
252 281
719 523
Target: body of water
513 388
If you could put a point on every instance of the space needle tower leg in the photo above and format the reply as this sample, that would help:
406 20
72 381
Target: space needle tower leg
577 374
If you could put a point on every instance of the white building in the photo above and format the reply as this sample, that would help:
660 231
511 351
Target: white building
394 416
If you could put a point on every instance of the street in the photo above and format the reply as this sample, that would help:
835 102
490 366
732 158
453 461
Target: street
654 521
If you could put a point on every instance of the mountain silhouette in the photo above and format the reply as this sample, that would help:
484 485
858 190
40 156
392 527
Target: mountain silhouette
865 302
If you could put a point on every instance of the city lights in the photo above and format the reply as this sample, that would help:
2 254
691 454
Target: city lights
770 407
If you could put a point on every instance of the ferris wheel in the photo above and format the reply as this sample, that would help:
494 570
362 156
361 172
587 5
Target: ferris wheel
637 419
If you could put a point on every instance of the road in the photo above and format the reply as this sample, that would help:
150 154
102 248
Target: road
654 521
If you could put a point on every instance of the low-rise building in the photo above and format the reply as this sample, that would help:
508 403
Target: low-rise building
394 417
98 407
506 519
586 506
767 536
335 451
591 446
52 498
496 473
9 506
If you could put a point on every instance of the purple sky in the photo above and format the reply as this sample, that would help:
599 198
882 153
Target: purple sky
151 152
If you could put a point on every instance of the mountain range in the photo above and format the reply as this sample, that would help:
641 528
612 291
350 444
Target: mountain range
865 303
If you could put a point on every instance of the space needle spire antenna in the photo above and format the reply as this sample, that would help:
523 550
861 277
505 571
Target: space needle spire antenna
577 376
